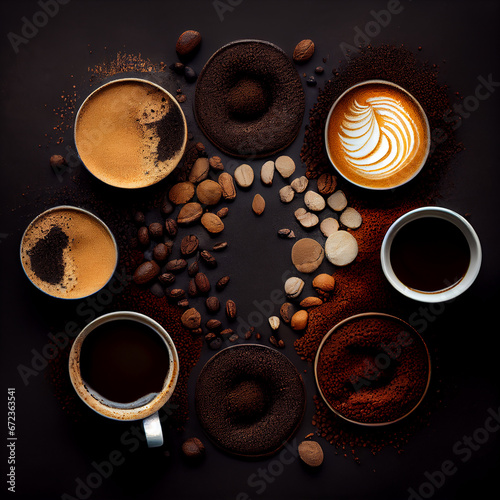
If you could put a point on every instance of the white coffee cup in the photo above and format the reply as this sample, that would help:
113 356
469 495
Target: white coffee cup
448 293
148 412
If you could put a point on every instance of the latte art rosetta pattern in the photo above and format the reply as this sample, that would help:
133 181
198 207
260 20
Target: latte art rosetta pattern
379 137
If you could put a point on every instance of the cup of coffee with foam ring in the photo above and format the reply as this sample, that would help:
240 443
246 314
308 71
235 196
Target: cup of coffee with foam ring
377 135
130 133
431 254
124 366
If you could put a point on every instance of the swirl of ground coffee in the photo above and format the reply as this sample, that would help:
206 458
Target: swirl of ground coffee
377 135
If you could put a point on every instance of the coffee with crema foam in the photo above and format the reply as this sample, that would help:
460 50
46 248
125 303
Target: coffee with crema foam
377 135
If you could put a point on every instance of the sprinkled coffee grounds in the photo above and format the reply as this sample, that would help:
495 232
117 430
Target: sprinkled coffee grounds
249 399
361 286
46 257
249 99
373 370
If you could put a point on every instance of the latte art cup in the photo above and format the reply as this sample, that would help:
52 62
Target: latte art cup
377 135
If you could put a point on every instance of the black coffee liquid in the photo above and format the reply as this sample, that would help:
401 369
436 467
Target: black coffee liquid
124 361
430 254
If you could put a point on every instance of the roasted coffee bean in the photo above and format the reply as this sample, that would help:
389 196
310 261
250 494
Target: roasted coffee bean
186 44
178 67
281 343
213 324
273 340
327 183
233 337
189 213
146 272
202 283
286 312
191 318
161 252
57 162
139 218
227 331
192 290
222 283
156 230
213 304
216 163
197 331
285 233
193 269
215 344
208 258
210 336
167 278
166 207
190 74
176 265
219 246
171 227
227 184
248 334
258 336
183 303
189 245
222 212
231 309
175 293
143 235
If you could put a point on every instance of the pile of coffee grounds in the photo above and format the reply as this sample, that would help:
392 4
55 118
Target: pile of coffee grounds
361 286
373 370
226 106
249 399
46 256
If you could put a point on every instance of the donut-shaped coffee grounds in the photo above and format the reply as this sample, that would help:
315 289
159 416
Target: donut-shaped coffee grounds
250 399
249 99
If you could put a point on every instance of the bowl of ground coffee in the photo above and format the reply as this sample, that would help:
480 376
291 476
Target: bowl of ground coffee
69 253
130 133
249 99
250 399
372 369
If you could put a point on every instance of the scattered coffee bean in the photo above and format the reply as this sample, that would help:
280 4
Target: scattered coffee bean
281 343
192 288
328 226
351 218
286 312
155 230
193 269
166 207
200 169
219 246
244 176
319 70
337 201
216 163
189 213
181 193
327 183
202 283
307 255
231 309
258 204
146 272
57 162
143 235
311 453
189 245
139 218
258 336
274 322
190 74
273 341
341 248
213 324
171 227
227 184
161 252
215 344
227 331
314 201
191 318
248 333
197 331
210 336
181 98
286 194
286 233
167 278
293 287
285 166
311 81
213 304
233 338
208 258
299 320
176 266
209 192
183 303
303 51
300 184
222 212
212 223
222 283
193 448
324 282
178 67
267 173
306 219
188 42
310 302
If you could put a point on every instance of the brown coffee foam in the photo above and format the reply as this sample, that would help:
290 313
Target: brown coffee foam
113 138
361 93
89 259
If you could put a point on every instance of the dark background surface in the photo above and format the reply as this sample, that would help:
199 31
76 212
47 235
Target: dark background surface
52 453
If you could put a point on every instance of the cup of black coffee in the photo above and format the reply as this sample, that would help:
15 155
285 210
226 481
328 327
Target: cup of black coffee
431 254
124 366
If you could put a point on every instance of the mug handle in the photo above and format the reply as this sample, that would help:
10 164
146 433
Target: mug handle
152 429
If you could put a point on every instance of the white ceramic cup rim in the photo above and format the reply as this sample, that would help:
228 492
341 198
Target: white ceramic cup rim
77 209
113 413
140 80
454 290
413 99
